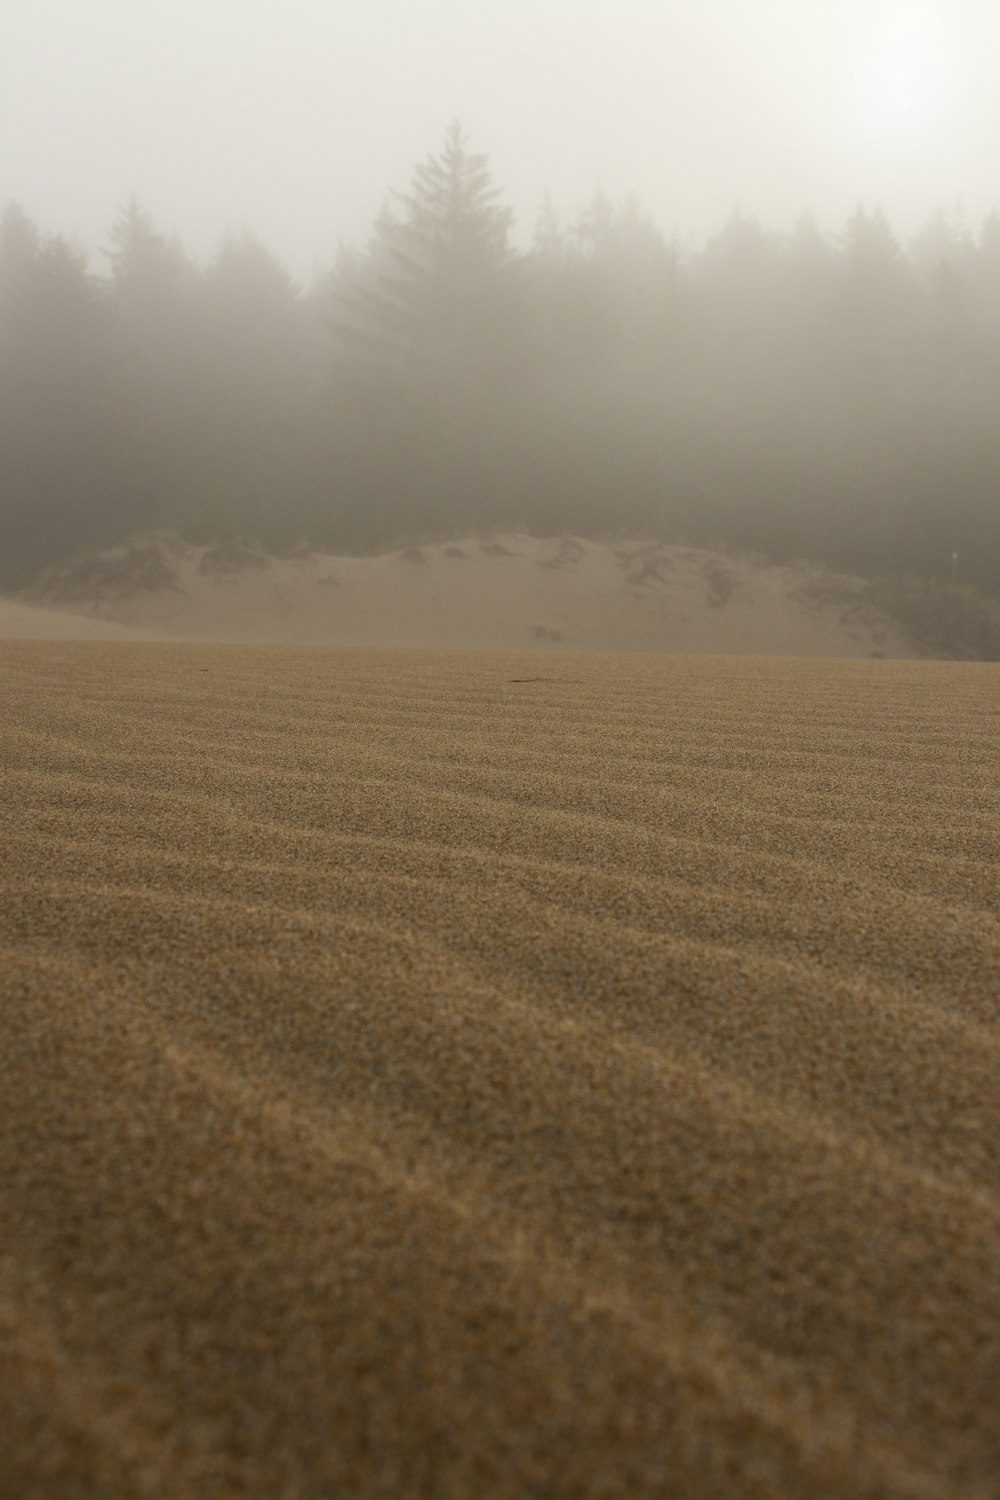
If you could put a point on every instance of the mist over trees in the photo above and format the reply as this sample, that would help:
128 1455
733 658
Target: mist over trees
800 395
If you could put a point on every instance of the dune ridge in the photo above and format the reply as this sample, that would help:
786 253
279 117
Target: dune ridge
504 592
445 1074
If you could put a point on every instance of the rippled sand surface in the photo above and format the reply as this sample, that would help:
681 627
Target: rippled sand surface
480 1075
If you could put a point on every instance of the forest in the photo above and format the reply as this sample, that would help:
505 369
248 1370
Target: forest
798 395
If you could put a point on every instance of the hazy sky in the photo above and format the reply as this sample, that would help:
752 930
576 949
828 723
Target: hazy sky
293 119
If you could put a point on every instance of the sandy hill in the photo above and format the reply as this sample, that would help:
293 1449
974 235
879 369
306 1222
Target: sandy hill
32 622
505 592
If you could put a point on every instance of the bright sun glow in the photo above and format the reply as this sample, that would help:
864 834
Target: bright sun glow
905 77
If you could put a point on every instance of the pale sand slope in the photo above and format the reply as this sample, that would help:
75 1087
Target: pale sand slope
28 622
510 592
473 1075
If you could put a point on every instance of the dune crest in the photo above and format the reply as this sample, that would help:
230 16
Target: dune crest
505 592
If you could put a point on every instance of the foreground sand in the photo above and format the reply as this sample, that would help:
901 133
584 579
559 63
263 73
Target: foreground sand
479 1075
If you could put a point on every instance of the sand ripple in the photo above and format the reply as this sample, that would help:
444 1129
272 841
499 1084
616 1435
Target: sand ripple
417 1081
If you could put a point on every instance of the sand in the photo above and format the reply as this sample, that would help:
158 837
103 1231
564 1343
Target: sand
470 1075
511 592
31 622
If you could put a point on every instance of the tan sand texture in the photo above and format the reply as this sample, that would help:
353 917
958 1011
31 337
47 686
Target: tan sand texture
504 592
468 1075
29 622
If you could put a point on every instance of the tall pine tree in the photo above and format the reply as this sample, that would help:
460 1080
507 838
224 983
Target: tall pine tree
435 297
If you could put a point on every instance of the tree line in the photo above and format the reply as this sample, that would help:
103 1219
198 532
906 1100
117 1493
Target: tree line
797 395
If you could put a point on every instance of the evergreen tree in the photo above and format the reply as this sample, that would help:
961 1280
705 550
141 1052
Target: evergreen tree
20 243
549 247
150 275
943 245
251 361
985 274
438 303
429 339
876 272
153 288
55 407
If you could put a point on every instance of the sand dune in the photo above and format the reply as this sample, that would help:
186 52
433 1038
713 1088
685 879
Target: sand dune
30 622
435 1074
512 592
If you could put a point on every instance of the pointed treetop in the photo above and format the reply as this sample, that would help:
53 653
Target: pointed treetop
451 212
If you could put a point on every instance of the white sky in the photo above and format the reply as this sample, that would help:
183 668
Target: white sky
293 118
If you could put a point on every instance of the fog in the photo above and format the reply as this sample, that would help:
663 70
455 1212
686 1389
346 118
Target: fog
292 121
253 288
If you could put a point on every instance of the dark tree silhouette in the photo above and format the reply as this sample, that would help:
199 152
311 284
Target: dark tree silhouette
151 278
57 410
430 335
20 243
440 272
